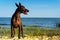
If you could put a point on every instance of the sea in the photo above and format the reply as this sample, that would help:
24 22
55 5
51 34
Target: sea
40 22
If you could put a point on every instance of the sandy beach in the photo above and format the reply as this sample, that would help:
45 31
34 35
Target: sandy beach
32 38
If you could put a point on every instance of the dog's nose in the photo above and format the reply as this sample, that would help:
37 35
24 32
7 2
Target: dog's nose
27 10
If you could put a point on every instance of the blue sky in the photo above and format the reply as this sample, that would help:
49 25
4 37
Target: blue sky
37 8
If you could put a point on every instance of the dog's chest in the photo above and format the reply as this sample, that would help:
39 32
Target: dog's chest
17 19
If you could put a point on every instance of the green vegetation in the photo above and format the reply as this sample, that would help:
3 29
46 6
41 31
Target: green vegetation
32 31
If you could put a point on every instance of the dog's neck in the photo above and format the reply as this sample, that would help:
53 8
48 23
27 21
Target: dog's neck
17 12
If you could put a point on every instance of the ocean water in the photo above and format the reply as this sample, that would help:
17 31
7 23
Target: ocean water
42 22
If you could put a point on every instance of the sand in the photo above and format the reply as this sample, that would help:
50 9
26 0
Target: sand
32 38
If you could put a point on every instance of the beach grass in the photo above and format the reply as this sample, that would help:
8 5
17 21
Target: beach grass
32 32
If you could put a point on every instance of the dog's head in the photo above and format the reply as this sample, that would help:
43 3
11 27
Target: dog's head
21 8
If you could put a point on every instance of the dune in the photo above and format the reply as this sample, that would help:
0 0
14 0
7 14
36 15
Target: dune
32 33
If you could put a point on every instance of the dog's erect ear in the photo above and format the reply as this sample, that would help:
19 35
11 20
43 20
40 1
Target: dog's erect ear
16 4
19 4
